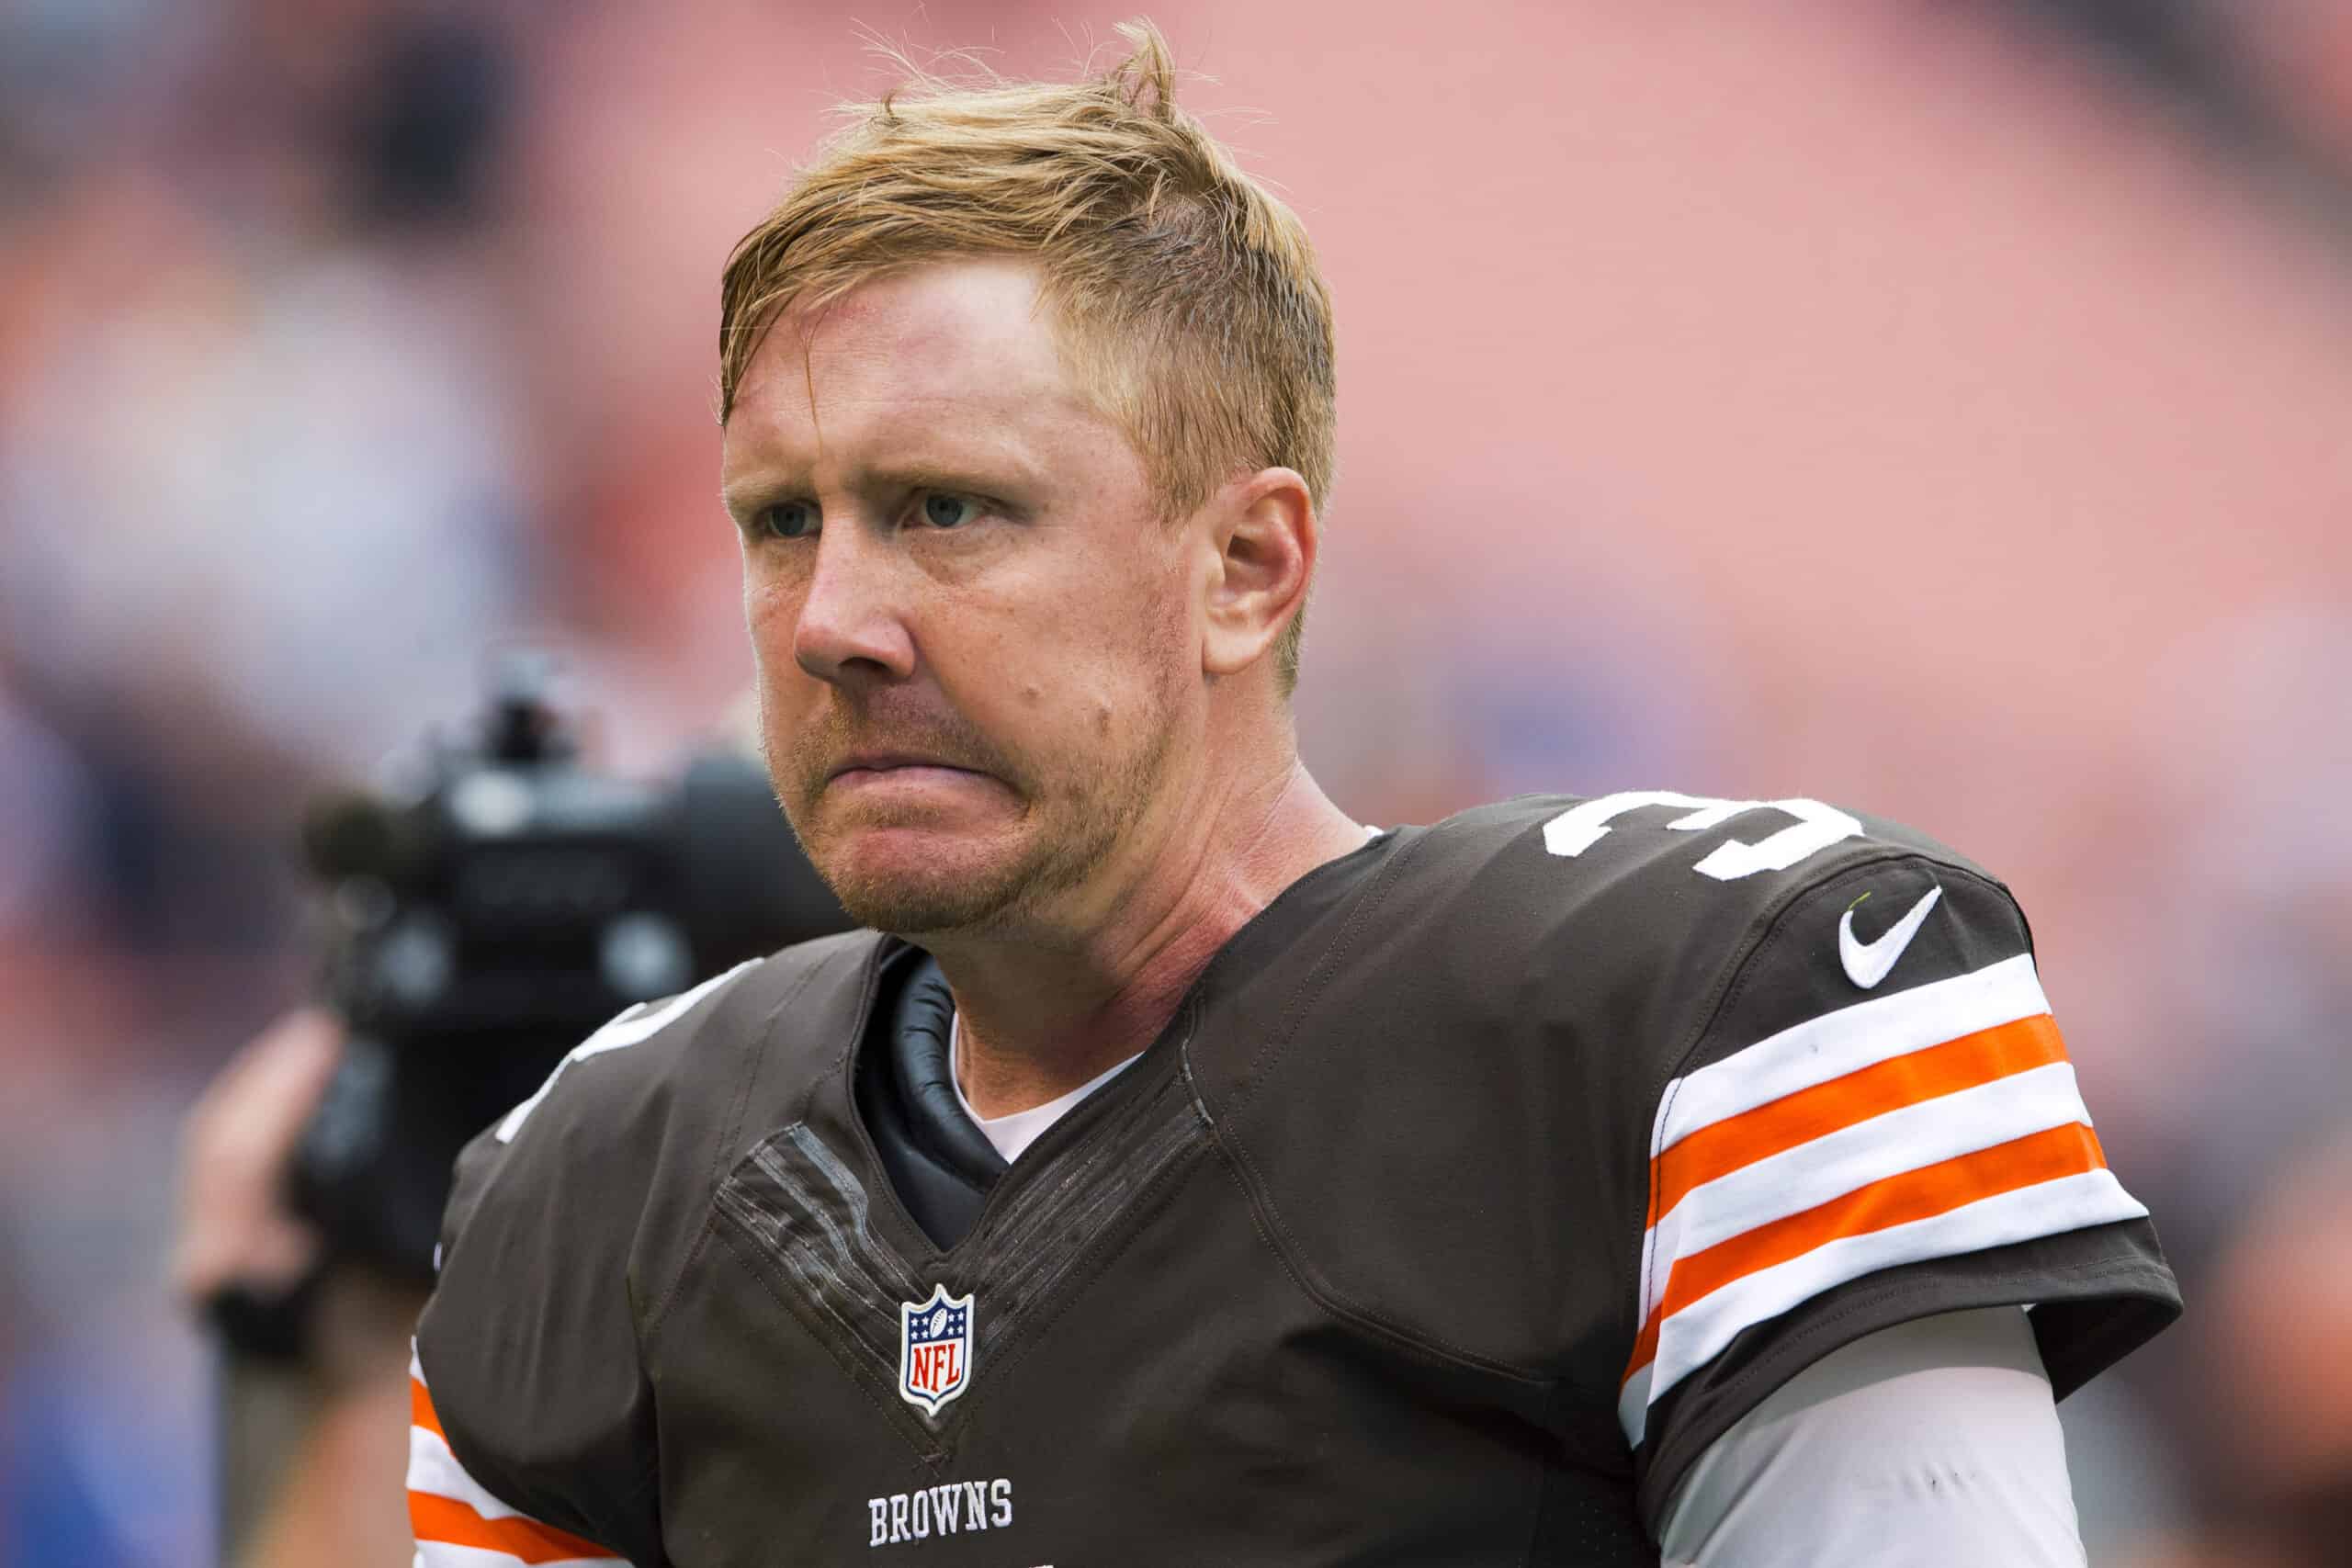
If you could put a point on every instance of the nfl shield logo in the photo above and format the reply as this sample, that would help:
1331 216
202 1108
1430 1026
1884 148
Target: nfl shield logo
935 1349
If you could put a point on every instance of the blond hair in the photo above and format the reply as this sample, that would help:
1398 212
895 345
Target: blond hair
1188 296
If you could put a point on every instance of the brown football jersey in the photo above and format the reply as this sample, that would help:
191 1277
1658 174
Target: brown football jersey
1480 1181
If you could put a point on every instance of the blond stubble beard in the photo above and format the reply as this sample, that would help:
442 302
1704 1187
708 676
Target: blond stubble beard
1075 817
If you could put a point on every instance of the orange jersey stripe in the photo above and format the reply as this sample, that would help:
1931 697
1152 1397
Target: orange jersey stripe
421 1411
1799 1118
447 1522
1920 1194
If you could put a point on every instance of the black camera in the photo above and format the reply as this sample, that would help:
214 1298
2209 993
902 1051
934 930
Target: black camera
486 920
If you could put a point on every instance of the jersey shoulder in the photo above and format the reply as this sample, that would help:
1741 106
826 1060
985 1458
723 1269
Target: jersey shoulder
630 1120
1661 855
1494 1010
1829 1055
664 1059
570 1216
1629 915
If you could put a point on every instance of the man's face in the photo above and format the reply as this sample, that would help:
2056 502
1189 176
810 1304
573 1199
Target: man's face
976 640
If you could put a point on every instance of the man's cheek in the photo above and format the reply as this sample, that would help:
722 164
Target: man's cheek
771 605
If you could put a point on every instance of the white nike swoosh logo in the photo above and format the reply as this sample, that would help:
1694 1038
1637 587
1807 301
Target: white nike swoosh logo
1867 963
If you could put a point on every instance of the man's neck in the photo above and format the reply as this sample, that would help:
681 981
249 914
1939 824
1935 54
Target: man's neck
1043 1011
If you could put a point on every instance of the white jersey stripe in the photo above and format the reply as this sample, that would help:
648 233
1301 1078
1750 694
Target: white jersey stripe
448 1554
433 1468
1853 1157
1634 1404
1689 1338
1835 1043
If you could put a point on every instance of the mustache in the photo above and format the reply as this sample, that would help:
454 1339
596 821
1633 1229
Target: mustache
816 747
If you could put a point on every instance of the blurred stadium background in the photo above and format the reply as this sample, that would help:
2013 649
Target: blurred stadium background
1943 408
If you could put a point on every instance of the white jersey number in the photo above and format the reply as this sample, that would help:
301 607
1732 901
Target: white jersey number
1816 828
634 1026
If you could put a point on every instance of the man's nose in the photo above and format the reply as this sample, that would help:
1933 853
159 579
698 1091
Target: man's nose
852 624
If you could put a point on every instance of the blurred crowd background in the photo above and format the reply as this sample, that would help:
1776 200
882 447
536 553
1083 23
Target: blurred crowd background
1943 408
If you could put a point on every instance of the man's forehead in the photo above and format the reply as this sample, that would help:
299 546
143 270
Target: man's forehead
971 332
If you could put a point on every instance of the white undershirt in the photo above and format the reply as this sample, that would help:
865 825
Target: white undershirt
1015 1131
1932 1444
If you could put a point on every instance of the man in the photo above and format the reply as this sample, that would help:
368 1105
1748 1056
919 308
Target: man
1191 1173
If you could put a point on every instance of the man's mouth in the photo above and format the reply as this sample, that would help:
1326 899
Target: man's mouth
891 762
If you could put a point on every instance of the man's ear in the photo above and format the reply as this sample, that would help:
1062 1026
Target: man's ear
1264 535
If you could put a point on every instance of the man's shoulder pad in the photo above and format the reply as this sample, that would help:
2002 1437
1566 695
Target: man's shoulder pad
1491 1020
641 1108
580 1207
1596 845
1625 906
1493 1023
1589 847
661 1055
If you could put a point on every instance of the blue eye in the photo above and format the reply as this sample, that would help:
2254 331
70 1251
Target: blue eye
787 520
943 510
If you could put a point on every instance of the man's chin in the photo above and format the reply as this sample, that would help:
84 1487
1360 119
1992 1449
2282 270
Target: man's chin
913 910
917 890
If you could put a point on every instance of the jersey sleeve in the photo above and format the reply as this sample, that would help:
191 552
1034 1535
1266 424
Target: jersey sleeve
1877 1122
458 1523
528 1361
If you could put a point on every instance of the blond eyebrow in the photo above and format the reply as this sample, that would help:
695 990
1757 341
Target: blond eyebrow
741 497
